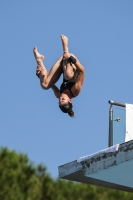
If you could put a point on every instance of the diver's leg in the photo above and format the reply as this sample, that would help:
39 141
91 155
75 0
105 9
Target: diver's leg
39 59
47 80
64 40
54 73
68 67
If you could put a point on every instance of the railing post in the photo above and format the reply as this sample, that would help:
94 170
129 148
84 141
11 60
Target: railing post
110 139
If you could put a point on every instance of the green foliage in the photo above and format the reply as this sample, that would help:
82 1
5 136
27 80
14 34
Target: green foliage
21 180
18 179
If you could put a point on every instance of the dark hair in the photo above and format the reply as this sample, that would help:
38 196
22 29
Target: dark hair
67 108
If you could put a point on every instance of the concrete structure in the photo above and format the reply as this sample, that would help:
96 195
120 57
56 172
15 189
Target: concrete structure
112 168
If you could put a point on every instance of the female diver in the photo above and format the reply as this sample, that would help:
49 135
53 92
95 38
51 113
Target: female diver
73 76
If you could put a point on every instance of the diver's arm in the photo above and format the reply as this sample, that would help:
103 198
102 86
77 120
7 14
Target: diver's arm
74 60
79 67
56 91
77 63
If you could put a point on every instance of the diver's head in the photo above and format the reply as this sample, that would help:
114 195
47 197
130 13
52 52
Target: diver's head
65 104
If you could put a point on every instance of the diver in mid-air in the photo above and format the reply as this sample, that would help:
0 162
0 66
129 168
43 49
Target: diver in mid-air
73 76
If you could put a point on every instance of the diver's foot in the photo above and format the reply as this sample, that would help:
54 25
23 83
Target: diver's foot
38 56
64 40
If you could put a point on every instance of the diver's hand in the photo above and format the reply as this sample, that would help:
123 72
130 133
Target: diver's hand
39 69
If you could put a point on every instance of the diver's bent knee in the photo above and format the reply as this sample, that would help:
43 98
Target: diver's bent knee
45 86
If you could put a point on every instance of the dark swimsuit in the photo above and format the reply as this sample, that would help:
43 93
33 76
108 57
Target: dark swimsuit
67 84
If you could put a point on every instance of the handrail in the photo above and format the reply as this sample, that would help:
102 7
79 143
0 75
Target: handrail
116 103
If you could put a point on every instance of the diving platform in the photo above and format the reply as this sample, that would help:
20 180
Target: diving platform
111 168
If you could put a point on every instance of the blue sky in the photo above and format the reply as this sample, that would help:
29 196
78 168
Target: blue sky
101 35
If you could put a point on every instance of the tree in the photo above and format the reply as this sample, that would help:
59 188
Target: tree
18 179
